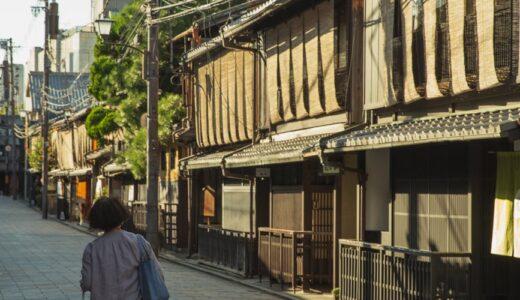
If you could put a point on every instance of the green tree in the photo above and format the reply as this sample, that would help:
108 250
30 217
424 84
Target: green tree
100 122
35 155
116 81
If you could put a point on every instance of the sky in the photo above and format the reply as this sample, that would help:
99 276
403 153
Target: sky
18 22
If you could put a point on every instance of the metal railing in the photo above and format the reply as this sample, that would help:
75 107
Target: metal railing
295 257
234 250
373 271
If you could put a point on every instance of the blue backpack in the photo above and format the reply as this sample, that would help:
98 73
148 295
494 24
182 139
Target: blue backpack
151 283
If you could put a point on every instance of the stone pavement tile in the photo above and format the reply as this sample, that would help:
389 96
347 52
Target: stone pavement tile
42 259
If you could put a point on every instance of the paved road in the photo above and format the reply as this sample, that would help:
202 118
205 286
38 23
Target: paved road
42 260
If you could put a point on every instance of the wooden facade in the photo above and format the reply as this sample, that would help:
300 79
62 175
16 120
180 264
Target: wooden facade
318 222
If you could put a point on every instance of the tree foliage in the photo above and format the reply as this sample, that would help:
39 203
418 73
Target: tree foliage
100 122
135 154
116 81
171 111
35 155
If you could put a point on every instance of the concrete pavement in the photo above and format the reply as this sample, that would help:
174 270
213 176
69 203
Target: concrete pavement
41 259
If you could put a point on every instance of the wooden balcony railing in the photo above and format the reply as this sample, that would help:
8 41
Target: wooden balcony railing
372 271
233 250
295 257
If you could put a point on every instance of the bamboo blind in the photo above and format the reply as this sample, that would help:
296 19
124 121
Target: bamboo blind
82 145
225 99
378 43
232 84
456 35
203 101
284 52
410 92
226 112
430 27
311 55
249 71
327 44
272 74
198 114
297 47
485 29
218 100
210 77
240 99
387 38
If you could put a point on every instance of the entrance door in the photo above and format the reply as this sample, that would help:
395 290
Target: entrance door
322 199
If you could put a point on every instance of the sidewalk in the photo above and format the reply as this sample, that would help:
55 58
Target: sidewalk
195 264
41 259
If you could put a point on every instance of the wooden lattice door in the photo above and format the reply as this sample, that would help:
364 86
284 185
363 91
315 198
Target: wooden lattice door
322 198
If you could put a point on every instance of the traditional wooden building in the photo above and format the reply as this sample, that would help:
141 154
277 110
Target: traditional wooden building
433 197
270 85
366 145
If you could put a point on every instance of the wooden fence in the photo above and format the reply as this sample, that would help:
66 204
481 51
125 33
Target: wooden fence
234 250
294 257
372 271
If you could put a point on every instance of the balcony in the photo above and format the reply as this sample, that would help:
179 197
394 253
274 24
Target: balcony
373 271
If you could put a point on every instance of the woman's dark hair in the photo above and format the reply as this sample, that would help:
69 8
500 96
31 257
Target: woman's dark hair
107 213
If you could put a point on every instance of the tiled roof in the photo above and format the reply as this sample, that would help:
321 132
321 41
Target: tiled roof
66 91
211 160
103 152
116 168
237 25
454 127
277 152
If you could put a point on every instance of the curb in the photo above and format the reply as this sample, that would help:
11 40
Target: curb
224 276
77 228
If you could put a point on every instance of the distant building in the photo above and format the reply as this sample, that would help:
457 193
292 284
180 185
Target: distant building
76 51
103 8
18 86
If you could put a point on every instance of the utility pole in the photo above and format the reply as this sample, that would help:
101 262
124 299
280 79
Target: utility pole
14 153
7 96
26 158
45 121
153 147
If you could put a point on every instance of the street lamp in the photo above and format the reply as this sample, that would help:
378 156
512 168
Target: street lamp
103 27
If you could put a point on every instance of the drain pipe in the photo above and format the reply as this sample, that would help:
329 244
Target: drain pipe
233 46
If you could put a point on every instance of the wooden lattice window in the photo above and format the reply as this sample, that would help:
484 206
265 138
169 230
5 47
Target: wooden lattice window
431 198
418 50
503 37
442 49
343 23
471 44
397 67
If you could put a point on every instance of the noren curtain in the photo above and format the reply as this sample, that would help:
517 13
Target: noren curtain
506 220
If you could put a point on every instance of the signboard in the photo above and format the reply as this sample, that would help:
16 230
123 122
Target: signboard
263 172
209 202
330 170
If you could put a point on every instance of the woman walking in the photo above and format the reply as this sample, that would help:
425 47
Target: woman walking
111 262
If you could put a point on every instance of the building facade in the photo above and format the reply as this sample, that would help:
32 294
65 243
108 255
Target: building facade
350 139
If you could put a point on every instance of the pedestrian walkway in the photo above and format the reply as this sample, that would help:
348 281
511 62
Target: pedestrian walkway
41 259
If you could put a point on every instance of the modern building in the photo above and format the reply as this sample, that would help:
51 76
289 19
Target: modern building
103 8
